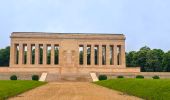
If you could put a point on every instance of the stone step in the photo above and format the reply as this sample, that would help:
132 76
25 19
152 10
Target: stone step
68 77
43 77
94 77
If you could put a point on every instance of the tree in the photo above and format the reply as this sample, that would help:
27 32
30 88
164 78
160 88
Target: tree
145 48
142 57
166 62
154 60
4 56
131 59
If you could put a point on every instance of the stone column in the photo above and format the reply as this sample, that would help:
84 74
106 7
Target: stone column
12 54
52 54
21 54
78 56
29 54
115 55
37 54
92 55
100 55
107 54
112 55
85 55
44 54
122 53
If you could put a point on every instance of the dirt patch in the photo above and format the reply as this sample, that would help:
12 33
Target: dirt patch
73 91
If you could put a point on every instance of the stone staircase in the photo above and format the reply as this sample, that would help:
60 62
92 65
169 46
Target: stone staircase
94 77
43 77
51 77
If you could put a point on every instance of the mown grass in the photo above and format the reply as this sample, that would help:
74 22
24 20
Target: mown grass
149 89
11 88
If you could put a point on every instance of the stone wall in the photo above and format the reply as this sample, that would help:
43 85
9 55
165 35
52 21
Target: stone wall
20 75
65 70
134 74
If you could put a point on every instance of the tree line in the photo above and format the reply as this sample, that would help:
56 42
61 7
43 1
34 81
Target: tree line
149 60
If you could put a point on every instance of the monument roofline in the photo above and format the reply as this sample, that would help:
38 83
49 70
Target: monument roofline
67 35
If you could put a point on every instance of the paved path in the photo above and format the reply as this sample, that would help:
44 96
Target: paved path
72 91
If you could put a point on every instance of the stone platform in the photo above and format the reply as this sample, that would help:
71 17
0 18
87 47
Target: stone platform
75 74
60 73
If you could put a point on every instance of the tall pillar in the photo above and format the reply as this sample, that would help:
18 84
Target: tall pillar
112 55
21 54
100 55
123 61
37 54
92 55
85 55
12 54
115 55
44 54
29 54
52 54
78 57
107 54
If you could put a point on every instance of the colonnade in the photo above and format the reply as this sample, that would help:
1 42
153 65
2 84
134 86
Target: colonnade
106 54
23 54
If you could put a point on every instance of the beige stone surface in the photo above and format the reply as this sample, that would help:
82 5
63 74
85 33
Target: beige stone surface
73 91
69 69
68 44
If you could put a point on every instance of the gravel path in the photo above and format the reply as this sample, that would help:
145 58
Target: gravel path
73 91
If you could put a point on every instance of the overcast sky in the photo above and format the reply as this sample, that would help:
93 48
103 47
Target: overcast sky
144 22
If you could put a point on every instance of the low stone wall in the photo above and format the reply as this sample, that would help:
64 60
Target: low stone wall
30 69
68 69
20 75
134 74
56 73
107 69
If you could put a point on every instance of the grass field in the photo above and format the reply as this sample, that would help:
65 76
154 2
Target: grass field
11 88
149 89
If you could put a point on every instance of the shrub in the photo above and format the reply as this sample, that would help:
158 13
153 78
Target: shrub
35 77
102 77
13 77
140 76
120 76
156 77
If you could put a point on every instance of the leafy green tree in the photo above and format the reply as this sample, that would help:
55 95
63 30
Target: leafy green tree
4 56
166 62
145 48
142 57
154 60
131 59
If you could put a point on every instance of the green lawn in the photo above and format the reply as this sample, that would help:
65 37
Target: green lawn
149 89
11 88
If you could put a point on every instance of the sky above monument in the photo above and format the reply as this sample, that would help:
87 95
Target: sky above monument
144 22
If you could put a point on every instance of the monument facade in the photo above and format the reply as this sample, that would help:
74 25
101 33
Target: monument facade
68 52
